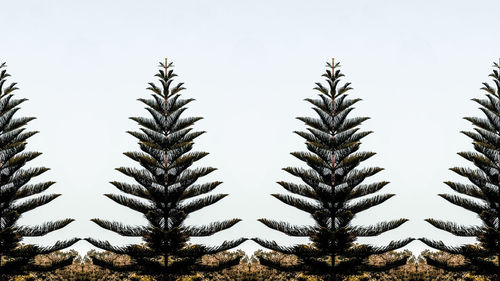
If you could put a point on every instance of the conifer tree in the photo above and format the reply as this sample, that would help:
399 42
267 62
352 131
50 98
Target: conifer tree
481 195
17 196
332 192
165 191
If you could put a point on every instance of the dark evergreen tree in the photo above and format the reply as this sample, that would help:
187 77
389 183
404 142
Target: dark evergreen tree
332 192
17 196
482 195
165 192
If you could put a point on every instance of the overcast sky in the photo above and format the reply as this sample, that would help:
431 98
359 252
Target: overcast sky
249 65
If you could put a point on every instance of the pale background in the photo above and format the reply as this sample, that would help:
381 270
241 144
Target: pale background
249 65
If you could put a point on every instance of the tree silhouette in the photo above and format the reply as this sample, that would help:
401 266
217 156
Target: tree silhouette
482 195
165 192
333 192
17 196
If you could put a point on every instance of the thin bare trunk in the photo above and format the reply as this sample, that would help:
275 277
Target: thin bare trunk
332 93
165 157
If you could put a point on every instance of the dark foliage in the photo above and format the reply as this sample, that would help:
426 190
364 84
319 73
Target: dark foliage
165 192
333 192
17 196
481 196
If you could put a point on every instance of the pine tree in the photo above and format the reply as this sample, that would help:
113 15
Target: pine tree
332 192
482 195
17 196
166 192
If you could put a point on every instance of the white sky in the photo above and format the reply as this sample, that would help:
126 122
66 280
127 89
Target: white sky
249 65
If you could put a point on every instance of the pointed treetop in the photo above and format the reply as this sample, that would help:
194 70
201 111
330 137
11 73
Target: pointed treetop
166 64
332 65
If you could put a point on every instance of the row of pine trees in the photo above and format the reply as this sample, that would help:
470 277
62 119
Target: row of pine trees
166 189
